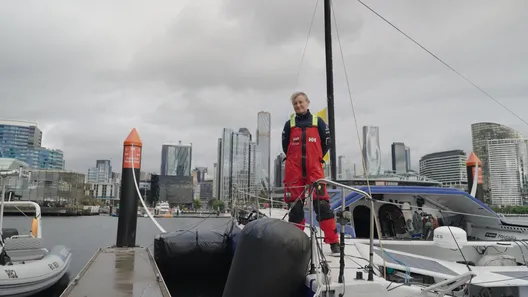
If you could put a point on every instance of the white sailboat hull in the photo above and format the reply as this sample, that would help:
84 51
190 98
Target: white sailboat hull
500 233
426 251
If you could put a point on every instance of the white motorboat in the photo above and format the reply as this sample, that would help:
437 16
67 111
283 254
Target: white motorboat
28 267
162 210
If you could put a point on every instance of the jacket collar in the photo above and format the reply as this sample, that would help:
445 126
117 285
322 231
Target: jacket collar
303 116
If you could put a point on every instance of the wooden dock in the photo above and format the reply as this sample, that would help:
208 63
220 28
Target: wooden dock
119 272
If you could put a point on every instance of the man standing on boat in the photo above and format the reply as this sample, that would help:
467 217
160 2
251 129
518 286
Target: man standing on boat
305 140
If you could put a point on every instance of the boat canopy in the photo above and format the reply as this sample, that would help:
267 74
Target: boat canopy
454 199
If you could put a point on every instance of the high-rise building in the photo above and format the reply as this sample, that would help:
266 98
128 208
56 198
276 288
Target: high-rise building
245 175
116 177
481 133
264 143
400 156
22 140
20 134
200 173
448 167
45 158
408 158
218 170
341 160
278 170
92 176
225 164
206 190
239 158
242 140
508 165
101 173
175 183
371 150
102 182
345 171
215 180
176 159
105 166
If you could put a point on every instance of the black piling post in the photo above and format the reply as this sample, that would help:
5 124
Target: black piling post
128 202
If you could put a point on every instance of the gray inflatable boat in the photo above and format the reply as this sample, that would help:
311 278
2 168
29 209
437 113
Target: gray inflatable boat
32 268
27 267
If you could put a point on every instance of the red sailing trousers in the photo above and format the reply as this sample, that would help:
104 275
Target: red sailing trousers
304 167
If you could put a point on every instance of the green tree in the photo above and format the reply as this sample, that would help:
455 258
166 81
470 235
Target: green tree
220 205
263 194
197 204
87 200
511 209
216 204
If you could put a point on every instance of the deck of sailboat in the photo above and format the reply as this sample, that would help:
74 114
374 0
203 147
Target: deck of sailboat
357 253
356 259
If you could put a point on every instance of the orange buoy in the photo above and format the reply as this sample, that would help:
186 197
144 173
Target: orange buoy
34 227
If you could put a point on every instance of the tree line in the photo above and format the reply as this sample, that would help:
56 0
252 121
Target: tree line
521 209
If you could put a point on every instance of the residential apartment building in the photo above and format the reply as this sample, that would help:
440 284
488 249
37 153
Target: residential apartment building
481 133
22 140
508 168
447 167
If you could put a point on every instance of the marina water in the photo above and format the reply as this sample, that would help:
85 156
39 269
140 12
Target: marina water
84 235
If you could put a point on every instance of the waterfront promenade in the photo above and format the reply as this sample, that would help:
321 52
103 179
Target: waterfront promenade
50 211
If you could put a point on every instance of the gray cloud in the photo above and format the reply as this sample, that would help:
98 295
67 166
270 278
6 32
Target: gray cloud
183 70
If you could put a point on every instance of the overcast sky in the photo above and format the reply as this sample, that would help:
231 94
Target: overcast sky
90 71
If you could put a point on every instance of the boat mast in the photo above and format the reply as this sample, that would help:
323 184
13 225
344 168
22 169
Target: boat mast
330 86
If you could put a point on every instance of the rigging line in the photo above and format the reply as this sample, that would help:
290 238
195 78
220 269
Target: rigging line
136 183
443 62
363 161
354 116
306 45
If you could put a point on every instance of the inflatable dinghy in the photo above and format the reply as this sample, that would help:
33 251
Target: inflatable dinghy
25 278
26 266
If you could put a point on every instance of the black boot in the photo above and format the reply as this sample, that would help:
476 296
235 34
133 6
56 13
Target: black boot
334 247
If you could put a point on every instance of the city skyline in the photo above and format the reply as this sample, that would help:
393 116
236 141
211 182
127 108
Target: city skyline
384 161
241 157
406 152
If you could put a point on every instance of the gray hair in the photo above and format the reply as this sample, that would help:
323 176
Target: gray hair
297 94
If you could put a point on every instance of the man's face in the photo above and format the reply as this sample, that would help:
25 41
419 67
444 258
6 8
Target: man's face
300 104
